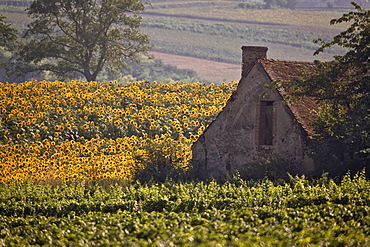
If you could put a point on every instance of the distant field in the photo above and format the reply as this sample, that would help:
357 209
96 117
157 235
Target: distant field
221 41
216 30
210 71
219 48
314 19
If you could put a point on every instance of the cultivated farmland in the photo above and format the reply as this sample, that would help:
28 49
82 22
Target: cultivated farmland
215 30
236 213
69 152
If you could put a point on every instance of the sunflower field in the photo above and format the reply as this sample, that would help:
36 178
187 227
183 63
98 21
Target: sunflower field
70 153
54 131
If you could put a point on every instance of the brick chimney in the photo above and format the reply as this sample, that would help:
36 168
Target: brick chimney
249 54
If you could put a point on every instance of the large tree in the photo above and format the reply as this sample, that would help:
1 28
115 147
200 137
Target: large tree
342 90
81 36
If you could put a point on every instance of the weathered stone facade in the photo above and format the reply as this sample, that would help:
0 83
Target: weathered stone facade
254 125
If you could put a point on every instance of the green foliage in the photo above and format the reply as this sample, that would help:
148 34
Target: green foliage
274 169
8 40
153 70
250 5
342 91
297 213
8 35
68 37
291 4
162 165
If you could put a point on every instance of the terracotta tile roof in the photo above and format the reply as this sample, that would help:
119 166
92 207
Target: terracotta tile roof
285 71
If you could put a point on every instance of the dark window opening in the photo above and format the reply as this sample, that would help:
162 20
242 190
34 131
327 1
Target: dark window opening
266 123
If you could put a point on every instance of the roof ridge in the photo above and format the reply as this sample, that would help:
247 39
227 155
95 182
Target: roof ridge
286 61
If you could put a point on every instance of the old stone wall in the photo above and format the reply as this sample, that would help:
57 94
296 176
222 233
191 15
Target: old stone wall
231 141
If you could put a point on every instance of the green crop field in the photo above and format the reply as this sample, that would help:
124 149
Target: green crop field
234 213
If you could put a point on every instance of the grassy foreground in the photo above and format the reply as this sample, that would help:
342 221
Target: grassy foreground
234 213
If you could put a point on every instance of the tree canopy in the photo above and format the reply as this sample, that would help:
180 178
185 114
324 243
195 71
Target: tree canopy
8 39
290 4
70 37
342 90
8 35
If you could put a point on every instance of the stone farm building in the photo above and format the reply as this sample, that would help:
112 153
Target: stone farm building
255 125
